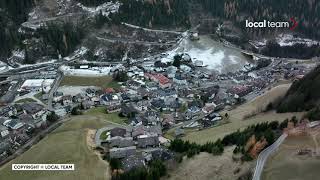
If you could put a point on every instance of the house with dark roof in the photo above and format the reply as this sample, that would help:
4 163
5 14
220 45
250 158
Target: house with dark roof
162 154
158 104
8 111
151 140
151 118
128 110
121 142
110 99
34 109
118 132
122 152
13 124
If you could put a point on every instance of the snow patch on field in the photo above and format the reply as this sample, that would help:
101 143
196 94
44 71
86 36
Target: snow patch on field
73 90
18 54
210 57
105 8
290 40
77 53
94 71
285 40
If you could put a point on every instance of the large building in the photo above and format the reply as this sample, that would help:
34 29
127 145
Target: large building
37 85
163 81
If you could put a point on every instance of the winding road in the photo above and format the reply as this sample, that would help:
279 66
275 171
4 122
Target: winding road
263 156
114 40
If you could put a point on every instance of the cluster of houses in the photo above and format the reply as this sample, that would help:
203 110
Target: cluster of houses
155 98
135 147
18 124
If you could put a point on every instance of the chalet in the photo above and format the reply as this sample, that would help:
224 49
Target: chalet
121 142
118 132
34 109
110 99
122 152
145 130
151 140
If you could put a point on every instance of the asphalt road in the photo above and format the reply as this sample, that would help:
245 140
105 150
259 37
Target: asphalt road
263 156
122 40
54 89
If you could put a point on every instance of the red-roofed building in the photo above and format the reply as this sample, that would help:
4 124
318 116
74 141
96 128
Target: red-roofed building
109 90
240 90
163 81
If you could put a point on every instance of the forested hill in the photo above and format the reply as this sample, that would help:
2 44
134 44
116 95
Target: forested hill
149 13
177 13
303 95
12 14
306 12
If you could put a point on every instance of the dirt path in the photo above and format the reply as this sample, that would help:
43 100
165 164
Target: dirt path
91 146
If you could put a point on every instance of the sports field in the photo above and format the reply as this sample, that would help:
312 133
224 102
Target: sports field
102 82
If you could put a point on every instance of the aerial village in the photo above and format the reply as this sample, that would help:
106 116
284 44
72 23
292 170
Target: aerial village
152 97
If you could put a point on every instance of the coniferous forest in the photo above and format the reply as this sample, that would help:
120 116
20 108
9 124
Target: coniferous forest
176 14
12 14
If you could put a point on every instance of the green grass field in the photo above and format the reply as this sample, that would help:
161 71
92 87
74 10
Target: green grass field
67 144
286 164
101 111
103 135
102 82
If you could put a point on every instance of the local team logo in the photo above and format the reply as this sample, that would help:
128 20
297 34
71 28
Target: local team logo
291 24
